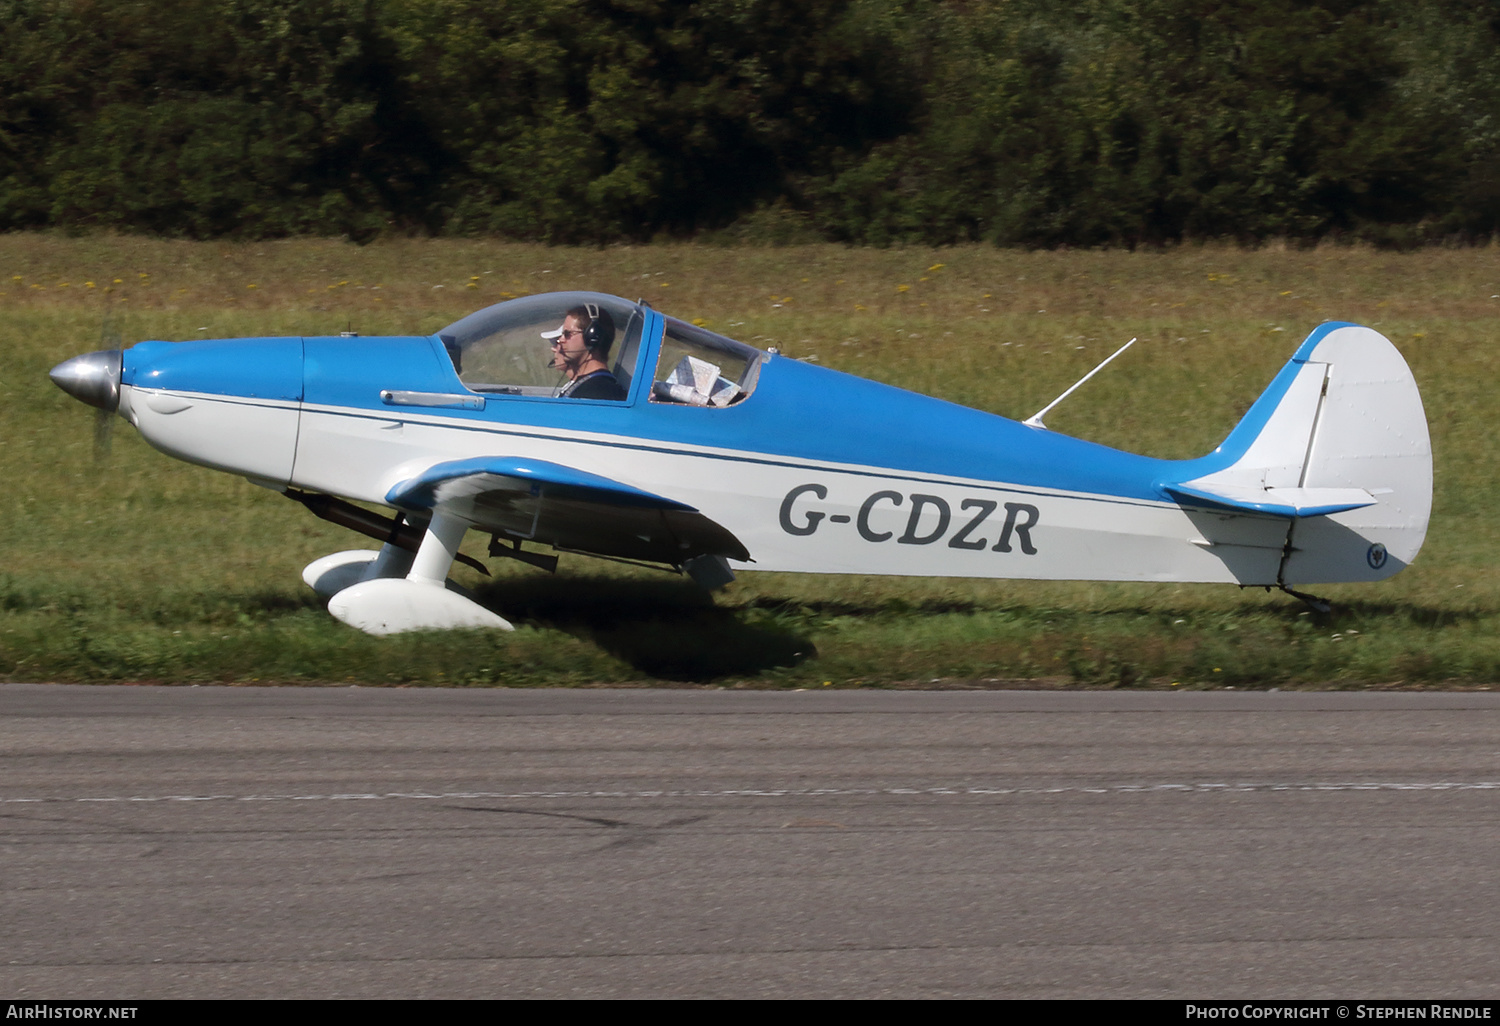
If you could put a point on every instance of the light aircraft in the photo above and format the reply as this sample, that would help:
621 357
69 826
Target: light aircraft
706 454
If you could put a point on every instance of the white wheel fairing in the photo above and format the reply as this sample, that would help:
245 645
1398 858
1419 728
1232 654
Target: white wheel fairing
331 574
398 605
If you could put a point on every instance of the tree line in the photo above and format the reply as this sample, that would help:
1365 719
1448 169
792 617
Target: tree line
1020 122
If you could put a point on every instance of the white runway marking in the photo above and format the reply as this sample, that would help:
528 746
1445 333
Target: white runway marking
960 791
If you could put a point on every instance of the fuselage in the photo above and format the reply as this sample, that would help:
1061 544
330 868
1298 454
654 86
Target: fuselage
815 471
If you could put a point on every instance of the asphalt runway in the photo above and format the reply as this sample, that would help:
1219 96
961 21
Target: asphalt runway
354 842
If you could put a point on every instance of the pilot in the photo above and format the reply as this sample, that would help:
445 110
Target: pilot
580 349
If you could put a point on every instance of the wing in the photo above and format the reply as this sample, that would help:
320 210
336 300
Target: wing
546 502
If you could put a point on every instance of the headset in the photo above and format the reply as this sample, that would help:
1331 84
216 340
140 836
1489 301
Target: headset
600 334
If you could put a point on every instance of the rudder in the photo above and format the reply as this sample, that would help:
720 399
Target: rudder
1371 434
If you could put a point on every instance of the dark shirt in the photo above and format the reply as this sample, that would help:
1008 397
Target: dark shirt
598 385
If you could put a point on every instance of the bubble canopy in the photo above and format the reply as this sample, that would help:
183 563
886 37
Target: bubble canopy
501 348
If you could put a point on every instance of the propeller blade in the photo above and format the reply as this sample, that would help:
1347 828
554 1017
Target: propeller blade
104 421
104 432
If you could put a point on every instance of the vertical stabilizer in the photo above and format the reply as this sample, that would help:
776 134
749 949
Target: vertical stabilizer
1339 445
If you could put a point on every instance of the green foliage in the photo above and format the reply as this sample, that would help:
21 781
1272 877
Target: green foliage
1112 122
205 118
586 120
1147 121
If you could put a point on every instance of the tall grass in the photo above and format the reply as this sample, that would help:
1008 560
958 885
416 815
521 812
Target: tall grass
131 566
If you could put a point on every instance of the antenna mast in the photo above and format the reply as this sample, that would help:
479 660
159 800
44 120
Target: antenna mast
1035 420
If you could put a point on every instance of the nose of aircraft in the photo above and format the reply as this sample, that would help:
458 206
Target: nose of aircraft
92 378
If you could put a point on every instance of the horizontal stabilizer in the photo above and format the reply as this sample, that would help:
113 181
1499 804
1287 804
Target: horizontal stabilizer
1281 502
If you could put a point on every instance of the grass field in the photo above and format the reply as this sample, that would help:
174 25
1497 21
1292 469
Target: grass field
134 567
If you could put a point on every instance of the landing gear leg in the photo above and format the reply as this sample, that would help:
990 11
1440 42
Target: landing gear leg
439 546
331 574
392 561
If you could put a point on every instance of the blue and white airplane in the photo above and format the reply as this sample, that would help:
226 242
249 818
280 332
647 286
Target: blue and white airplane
673 445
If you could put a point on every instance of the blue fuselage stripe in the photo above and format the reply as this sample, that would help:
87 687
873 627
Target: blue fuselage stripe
799 415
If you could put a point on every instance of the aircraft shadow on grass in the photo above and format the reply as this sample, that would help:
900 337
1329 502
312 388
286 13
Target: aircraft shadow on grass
668 629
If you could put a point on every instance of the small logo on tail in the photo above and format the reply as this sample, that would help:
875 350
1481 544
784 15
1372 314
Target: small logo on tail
1376 556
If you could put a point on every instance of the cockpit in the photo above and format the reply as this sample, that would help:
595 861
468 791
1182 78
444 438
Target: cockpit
507 349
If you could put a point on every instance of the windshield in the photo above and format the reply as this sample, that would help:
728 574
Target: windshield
503 348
